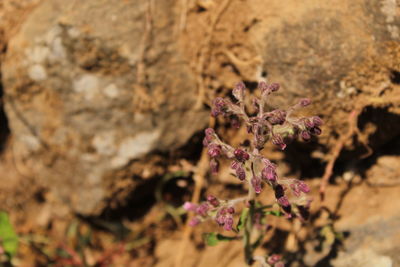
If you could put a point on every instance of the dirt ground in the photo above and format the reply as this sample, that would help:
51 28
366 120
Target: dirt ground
356 159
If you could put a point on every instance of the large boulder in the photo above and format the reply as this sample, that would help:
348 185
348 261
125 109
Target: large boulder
92 86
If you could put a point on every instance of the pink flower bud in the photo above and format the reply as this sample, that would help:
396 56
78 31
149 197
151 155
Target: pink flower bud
195 221
304 102
274 87
278 141
256 183
283 201
239 169
238 91
274 259
308 123
214 150
188 206
209 132
303 187
315 131
241 155
219 106
276 117
213 200
228 223
269 173
220 219
202 209
214 166
305 135
317 121
295 190
263 86
231 210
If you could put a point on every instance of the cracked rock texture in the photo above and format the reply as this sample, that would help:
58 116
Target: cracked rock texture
81 106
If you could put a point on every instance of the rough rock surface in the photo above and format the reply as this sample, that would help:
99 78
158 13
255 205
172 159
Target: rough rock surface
81 104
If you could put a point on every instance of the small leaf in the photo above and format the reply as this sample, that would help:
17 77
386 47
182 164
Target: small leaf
242 219
276 213
225 238
8 237
210 239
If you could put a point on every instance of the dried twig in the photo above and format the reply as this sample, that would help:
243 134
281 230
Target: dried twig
198 178
204 52
352 121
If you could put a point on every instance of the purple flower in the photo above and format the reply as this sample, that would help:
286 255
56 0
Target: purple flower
209 132
220 218
304 102
228 223
214 166
303 187
278 141
219 106
317 121
214 150
256 104
238 91
305 136
263 86
230 210
274 87
195 221
269 173
295 190
283 201
276 117
274 258
240 172
241 155
202 209
315 131
189 206
308 123
213 200
256 183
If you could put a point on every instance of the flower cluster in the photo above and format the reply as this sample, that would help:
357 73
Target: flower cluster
276 125
250 166
221 211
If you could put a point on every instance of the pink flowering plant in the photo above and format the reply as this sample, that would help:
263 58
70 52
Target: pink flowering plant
251 167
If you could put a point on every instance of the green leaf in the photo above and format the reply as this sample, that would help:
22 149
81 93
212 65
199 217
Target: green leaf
8 237
210 239
225 238
242 219
276 213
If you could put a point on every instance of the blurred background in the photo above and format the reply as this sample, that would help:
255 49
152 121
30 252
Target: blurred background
104 104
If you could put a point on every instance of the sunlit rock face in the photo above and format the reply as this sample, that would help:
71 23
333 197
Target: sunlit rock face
91 88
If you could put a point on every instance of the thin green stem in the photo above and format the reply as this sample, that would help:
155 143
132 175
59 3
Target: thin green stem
248 249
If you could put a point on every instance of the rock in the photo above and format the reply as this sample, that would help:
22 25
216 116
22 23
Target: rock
362 258
89 91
